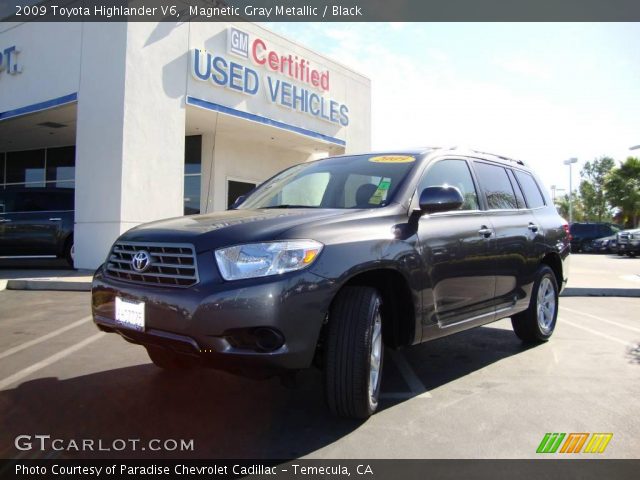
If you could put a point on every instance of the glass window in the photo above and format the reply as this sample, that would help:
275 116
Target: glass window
26 167
531 190
192 173
324 183
2 168
191 194
454 173
307 190
193 154
516 189
61 163
236 189
496 185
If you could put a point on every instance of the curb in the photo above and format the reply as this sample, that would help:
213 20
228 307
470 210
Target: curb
61 286
600 292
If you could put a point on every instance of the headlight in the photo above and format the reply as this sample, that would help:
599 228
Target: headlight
262 259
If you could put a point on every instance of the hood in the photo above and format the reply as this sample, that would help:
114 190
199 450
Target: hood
218 229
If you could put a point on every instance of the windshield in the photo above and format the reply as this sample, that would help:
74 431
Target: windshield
362 181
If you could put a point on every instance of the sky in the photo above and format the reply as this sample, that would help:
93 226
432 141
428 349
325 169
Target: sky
540 92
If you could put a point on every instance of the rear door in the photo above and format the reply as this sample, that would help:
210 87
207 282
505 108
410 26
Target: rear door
517 233
456 250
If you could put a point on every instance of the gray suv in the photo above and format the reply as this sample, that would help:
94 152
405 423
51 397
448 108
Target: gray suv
330 261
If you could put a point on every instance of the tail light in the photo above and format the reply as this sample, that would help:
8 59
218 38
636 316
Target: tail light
567 231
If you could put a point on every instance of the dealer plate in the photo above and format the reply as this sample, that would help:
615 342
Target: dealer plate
130 314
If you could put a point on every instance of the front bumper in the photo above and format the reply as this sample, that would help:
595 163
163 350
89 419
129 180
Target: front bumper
213 319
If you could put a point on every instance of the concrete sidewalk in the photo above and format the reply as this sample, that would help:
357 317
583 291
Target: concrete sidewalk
28 279
589 276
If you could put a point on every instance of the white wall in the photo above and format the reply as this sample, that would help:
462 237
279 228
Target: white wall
50 61
130 143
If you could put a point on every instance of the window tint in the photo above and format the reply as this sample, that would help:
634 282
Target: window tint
531 190
61 166
516 189
26 167
454 173
496 185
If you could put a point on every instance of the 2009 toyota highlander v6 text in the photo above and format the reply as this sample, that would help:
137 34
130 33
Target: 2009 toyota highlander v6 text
329 261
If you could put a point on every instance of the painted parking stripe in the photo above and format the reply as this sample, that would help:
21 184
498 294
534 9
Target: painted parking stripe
595 332
16 377
600 319
43 338
417 388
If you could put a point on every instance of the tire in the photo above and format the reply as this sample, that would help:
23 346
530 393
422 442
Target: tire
69 251
585 247
354 353
532 326
168 360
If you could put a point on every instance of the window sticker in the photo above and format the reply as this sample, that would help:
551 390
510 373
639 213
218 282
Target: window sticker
380 195
393 159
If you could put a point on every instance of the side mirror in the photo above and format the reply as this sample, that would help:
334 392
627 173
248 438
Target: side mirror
440 199
237 203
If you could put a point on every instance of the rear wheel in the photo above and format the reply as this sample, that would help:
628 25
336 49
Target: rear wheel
537 323
168 360
354 353
585 247
69 251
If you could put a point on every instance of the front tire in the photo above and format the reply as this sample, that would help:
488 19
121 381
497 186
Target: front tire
354 353
537 323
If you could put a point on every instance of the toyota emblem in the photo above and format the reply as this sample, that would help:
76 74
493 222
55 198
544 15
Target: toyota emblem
141 261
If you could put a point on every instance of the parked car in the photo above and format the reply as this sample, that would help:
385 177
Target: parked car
583 233
605 244
330 261
629 242
37 223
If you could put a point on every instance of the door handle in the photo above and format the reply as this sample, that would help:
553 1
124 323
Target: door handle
55 219
533 227
485 231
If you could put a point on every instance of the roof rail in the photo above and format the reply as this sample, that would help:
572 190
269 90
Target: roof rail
506 159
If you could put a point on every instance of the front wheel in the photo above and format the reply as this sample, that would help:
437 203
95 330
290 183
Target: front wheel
354 353
537 323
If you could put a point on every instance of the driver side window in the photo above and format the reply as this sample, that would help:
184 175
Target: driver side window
454 173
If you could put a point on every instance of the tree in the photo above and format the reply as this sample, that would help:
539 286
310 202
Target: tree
623 190
592 188
577 208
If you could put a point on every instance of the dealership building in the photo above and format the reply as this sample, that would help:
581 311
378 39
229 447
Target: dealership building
154 120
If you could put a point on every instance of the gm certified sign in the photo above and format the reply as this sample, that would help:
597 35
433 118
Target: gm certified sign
9 60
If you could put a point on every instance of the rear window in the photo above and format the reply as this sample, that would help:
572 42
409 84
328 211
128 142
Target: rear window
530 189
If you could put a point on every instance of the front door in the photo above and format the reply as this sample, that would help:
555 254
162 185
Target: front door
456 249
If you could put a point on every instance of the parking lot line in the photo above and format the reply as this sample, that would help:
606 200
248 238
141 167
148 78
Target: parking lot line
633 329
43 338
415 384
600 334
11 379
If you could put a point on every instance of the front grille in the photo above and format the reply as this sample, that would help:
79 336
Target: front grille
171 265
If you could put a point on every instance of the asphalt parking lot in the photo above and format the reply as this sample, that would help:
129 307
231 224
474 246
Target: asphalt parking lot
478 394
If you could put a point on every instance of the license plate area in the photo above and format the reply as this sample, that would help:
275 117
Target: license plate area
130 314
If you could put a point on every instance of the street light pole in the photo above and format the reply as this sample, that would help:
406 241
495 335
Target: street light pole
569 162
635 147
